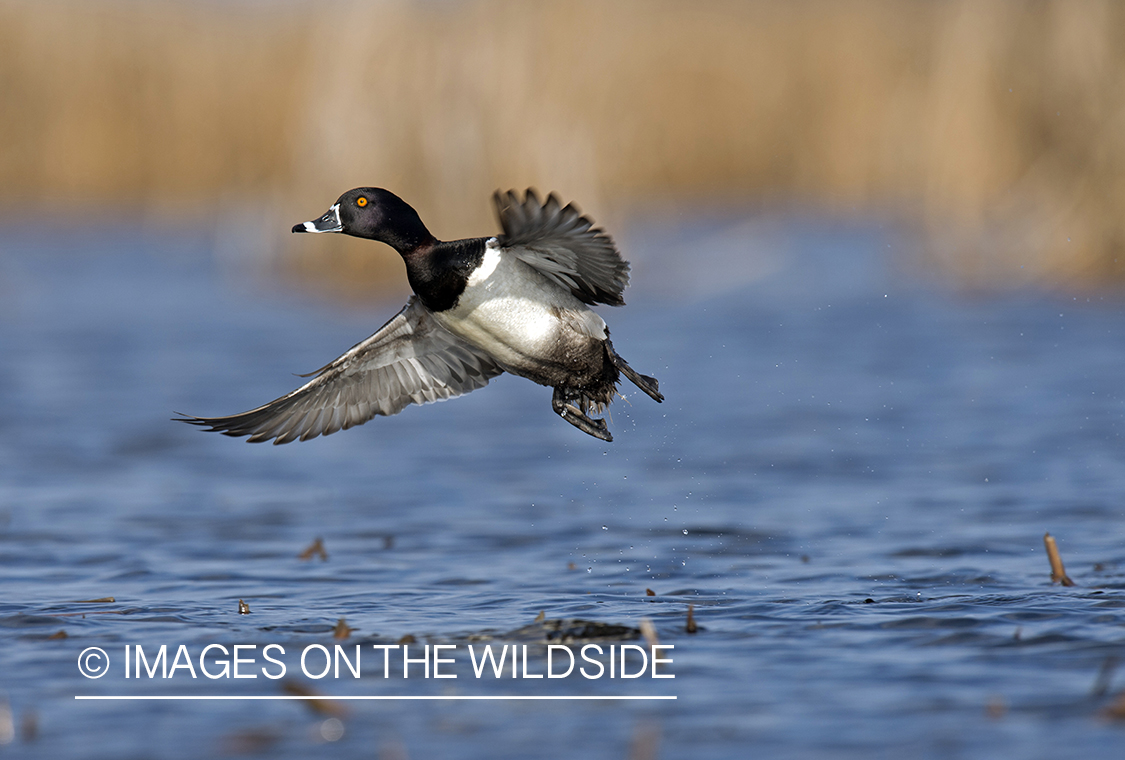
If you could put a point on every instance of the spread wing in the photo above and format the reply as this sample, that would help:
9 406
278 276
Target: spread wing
563 245
410 360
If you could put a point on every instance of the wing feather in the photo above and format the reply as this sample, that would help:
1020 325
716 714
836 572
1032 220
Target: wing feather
411 359
563 245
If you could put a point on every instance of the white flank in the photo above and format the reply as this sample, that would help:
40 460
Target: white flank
517 315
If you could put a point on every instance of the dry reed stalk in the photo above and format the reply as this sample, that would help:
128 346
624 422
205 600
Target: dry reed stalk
1058 572
996 708
319 705
315 549
1000 124
1105 677
342 630
646 742
1116 710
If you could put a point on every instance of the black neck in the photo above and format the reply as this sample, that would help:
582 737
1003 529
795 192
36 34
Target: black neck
406 239
438 271
398 224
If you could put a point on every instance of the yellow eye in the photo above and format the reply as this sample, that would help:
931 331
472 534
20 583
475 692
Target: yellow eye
361 201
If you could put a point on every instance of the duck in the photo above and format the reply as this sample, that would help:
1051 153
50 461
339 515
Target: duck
516 302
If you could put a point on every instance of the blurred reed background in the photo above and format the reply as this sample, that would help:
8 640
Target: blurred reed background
998 125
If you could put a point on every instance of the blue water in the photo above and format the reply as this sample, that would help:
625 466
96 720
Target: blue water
850 481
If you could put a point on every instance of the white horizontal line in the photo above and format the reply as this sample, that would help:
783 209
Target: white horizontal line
387 696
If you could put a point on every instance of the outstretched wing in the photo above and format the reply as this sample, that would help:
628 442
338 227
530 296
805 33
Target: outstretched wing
410 360
563 245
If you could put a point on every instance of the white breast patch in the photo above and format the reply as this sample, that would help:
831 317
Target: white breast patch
487 265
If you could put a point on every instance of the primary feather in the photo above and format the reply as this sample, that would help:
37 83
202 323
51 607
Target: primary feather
410 360
562 244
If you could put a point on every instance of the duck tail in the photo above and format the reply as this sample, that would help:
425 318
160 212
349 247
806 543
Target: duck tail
649 385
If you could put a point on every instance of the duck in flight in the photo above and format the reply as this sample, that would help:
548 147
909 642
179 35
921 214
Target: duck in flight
517 302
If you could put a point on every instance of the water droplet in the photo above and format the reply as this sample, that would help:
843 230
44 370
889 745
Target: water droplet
685 531
332 730
605 527
589 569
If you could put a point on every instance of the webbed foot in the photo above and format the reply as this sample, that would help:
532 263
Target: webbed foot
560 402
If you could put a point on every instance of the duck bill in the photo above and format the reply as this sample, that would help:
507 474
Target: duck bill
330 222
